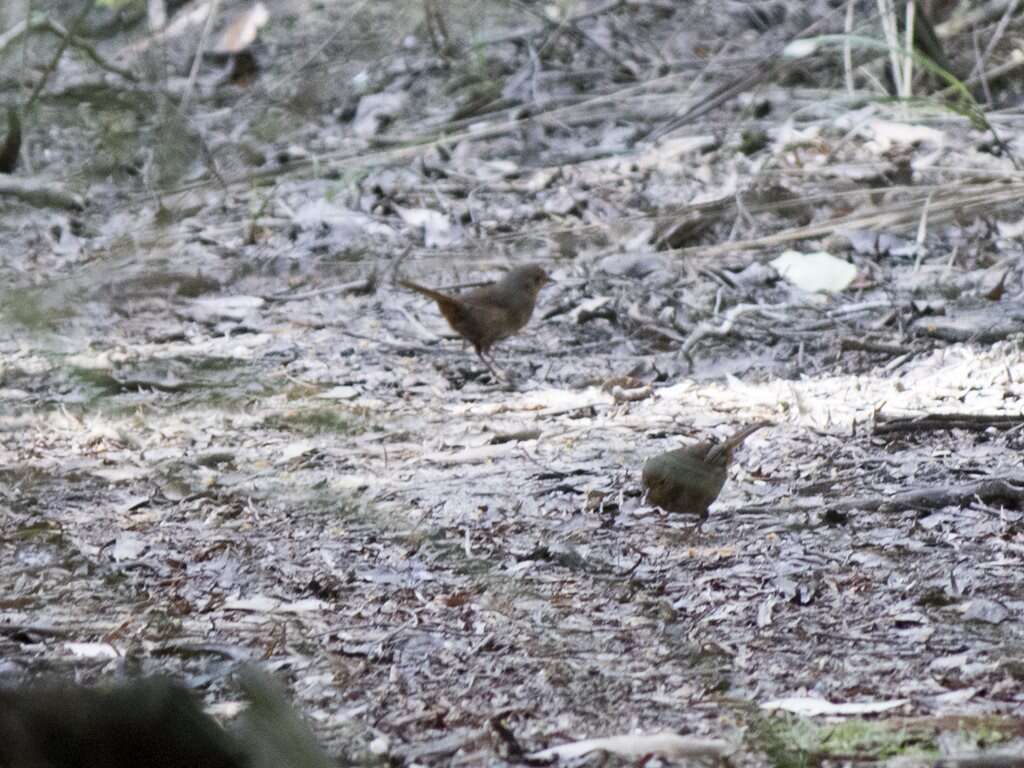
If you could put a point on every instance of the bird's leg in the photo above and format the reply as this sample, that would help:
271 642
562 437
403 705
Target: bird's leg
495 371
500 374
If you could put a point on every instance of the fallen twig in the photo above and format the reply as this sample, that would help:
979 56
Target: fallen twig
885 425
398 347
19 630
200 50
49 25
959 201
732 316
66 40
366 285
982 760
42 194
865 345
989 491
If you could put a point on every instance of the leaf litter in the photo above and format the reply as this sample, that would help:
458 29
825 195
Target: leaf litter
198 470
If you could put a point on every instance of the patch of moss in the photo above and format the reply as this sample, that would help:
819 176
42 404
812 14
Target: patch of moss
877 739
316 421
791 741
345 257
44 530
162 281
711 665
32 311
788 742
161 625
977 731
350 506
753 140
101 380
141 379
117 131
115 579
301 391
224 400
270 124
796 742
438 545
175 147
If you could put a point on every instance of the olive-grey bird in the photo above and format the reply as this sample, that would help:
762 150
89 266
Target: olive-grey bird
689 479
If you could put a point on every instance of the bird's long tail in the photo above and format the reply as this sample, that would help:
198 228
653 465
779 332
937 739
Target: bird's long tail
743 434
727 446
428 292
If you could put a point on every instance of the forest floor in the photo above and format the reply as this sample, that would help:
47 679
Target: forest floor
227 435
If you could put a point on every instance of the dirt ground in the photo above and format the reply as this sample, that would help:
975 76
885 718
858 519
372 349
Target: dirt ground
228 436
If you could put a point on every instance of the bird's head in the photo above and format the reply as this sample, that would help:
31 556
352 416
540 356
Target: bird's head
530 278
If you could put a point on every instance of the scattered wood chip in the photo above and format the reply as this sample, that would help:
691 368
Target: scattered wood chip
813 707
634 746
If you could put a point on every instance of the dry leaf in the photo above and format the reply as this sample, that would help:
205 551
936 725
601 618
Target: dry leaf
242 32
818 271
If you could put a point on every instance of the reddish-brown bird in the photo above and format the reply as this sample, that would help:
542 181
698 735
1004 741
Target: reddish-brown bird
689 479
485 316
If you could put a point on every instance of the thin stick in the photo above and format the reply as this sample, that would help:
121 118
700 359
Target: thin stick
194 72
49 25
848 47
997 35
24 72
922 231
65 42
887 15
908 60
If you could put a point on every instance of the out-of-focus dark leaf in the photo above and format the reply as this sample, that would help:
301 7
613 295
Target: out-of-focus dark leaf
153 722
12 144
